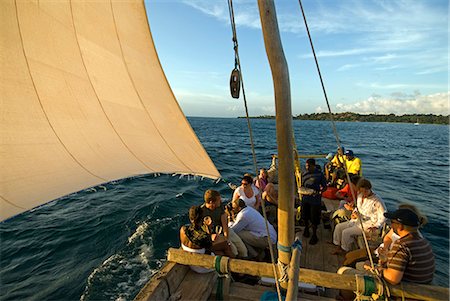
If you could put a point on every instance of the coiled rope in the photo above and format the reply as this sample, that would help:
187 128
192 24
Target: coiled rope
255 165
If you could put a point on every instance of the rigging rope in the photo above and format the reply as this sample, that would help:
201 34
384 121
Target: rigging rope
255 166
335 129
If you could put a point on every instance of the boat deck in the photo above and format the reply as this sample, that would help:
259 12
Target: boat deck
318 256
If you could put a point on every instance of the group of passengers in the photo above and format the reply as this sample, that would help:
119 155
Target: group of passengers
238 229
404 255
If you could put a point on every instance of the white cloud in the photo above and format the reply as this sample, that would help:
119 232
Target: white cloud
347 67
381 86
399 103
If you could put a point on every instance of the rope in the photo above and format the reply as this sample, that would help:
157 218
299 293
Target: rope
221 267
336 135
255 165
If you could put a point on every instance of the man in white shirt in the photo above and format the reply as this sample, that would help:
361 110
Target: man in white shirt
370 209
250 227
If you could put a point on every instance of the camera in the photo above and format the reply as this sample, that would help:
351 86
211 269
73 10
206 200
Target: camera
229 207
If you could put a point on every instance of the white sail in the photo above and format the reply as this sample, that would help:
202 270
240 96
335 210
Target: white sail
84 101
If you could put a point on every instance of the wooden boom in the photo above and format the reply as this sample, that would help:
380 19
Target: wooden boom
319 278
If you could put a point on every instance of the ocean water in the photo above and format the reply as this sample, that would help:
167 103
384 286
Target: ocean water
105 243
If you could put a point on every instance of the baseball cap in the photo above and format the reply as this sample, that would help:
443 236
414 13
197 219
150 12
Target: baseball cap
349 152
404 216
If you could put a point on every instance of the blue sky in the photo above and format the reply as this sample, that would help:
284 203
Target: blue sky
375 56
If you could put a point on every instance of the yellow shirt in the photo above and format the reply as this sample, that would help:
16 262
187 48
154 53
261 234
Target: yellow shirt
354 166
338 158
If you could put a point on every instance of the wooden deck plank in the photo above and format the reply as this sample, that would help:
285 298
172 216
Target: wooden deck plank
197 286
242 291
164 283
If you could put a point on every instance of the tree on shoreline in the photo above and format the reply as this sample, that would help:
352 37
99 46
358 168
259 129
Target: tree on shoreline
349 116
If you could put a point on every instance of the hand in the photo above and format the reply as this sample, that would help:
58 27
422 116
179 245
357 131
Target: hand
348 207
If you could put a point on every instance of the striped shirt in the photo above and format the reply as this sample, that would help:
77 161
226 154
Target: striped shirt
412 254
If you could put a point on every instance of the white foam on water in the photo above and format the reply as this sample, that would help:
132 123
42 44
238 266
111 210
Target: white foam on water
140 230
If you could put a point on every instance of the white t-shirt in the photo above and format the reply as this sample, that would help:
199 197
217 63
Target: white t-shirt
251 201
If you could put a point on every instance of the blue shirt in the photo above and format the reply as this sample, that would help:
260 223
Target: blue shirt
313 180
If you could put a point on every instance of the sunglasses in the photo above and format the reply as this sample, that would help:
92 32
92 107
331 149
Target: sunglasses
244 183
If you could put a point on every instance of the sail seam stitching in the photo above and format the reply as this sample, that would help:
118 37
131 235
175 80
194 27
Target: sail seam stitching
98 98
40 101
12 204
137 93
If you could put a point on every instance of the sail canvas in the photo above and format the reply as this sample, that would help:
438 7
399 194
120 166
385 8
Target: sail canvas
84 101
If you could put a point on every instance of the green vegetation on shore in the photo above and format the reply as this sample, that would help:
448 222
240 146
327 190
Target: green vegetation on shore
348 116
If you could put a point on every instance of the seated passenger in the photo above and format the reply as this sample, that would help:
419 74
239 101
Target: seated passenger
261 180
344 212
248 193
411 257
339 159
370 209
346 193
337 163
272 172
251 228
391 236
352 163
270 199
214 209
194 238
328 167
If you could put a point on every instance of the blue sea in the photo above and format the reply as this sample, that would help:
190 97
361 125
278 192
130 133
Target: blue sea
106 243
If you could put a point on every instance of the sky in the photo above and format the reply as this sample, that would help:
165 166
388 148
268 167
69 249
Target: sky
379 57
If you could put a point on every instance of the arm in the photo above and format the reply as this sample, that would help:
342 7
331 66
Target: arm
387 240
257 198
323 184
358 166
224 222
236 194
392 276
379 215
240 223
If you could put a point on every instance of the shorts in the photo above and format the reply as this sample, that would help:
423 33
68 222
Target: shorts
311 213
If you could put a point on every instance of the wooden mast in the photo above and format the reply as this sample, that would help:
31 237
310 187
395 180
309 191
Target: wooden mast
280 75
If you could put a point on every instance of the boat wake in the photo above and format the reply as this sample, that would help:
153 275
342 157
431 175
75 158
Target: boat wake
119 275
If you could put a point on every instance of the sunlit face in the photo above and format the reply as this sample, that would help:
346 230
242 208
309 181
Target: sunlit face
213 204
394 226
364 191
310 167
263 174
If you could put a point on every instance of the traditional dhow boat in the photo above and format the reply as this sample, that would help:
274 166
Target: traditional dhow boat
85 101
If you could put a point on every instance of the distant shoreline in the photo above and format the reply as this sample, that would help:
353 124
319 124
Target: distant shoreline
355 117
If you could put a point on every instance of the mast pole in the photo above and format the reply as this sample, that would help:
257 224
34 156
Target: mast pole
280 75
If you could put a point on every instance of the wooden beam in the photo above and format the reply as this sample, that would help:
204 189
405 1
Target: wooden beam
282 90
293 273
319 278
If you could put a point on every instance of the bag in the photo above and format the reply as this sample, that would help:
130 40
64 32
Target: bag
221 246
